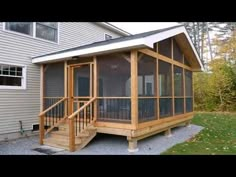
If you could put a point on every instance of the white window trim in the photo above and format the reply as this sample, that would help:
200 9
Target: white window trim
108 35
34 33
23 80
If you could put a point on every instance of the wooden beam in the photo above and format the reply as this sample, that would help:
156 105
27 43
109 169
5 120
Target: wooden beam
164 120
140 56
95 87
126 58
157 85
192 94
114 131
172 49
173 83
164 58
159 126
184 90
41 88
91 80
173 90
65 87
134 88
121 126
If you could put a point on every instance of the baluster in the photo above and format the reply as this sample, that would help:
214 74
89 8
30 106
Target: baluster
85 115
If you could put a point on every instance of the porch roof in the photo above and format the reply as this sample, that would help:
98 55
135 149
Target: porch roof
141 40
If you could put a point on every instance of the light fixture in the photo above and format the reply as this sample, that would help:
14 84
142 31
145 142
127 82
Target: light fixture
75 58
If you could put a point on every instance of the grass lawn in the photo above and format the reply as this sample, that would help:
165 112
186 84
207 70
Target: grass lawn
217 137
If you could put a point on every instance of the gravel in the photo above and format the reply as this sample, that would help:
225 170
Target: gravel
104 144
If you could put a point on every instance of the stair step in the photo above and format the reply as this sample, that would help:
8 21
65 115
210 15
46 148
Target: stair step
61 133
61 143
60 138
85 141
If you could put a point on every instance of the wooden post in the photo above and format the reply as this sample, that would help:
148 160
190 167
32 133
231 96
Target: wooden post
134 88
65 87
70 90
173 83
173 90
41 129
184 91
41 87
192 92
71 135
172 49
157 85
41 118
188 123
90 80
168 132
95 87
133 144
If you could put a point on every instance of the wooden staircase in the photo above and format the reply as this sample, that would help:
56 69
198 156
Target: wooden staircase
70 132
60 138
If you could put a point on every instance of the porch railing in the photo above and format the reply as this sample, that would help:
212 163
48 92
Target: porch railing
115 109
52 116
79 120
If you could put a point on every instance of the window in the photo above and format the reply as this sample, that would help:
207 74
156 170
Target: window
20 27
107 36
12 76
47 30
43 30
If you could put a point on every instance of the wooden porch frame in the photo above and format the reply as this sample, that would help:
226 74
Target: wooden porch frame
134 125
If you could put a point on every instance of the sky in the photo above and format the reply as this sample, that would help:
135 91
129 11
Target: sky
139 27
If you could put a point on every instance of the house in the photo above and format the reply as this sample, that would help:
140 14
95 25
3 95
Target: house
20 78
133 86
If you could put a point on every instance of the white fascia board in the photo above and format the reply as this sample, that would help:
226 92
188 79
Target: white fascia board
91 50
150 40
194 50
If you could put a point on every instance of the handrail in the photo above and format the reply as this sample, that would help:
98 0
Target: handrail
80 109
48 109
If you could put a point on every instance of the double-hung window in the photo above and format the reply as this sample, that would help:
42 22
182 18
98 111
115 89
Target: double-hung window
42 30
47 31
20 27
12 76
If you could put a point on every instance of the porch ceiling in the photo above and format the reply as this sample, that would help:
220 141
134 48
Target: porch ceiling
143 40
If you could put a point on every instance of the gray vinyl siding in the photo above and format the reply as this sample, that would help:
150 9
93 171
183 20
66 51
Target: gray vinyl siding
24 105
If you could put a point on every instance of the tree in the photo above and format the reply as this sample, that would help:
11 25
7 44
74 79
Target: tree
216 90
